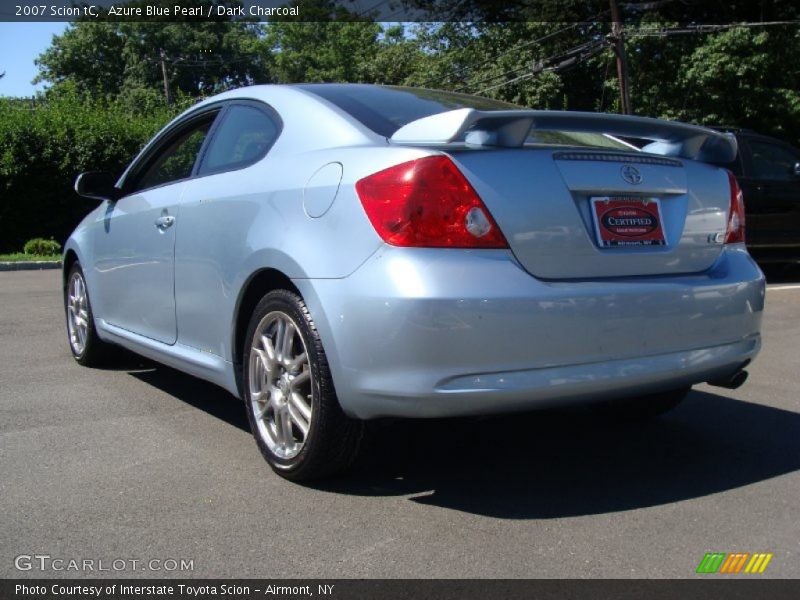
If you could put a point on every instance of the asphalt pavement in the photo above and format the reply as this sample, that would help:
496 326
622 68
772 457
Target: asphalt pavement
142 463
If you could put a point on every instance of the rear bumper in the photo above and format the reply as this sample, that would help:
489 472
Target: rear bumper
433 333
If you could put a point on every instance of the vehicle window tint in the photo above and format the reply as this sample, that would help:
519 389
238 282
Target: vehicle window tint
385 109
576 138
244 136
177 160
771 161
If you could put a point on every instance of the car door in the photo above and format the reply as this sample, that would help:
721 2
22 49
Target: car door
773 212
135 242
219 207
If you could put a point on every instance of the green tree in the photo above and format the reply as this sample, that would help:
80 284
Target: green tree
126 57
732 77
90 55
322 51
499 60
738 77
397 60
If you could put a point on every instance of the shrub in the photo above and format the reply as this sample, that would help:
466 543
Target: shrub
46 143
41 247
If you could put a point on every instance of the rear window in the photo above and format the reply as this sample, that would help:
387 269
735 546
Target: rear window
577 138
385 109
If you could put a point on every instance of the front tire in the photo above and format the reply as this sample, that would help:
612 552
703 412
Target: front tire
291 403
86 346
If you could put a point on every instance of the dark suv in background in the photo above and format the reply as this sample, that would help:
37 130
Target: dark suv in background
768 171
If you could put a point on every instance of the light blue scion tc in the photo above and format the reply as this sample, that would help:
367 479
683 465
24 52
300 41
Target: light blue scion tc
336 253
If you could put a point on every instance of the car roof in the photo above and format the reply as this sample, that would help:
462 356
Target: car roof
313 122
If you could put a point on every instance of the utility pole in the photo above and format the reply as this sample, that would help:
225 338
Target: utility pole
622 60
164 74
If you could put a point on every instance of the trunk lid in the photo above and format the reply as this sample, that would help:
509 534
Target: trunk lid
541 198
541 194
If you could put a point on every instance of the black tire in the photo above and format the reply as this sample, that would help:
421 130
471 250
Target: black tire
93 351
332 440
646 407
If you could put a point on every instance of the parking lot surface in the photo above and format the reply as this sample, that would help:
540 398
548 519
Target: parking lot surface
140 462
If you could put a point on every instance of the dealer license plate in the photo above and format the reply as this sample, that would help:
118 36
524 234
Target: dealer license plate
626 221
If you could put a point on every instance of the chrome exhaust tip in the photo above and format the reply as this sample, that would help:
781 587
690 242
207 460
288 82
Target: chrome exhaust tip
736 380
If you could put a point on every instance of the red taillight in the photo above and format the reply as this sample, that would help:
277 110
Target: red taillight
428 203
735 232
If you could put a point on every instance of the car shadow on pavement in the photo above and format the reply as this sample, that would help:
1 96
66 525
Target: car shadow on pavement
574 462
200 394
547 464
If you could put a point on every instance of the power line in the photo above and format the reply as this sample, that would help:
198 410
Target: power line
397 12
582 52
181 61
367 11
505 83
521 68
507 52
567 59
464 88
516 48
528 44
694 29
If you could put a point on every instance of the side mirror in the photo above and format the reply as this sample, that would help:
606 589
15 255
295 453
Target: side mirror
97 185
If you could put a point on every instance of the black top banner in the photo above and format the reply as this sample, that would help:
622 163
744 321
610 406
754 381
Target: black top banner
696 12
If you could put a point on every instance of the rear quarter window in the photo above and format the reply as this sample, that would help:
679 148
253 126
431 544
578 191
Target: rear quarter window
243 137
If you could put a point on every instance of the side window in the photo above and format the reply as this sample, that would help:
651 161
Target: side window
176 160
243 137
771 161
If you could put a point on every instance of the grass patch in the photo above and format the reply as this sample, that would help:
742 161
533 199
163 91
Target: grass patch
22 257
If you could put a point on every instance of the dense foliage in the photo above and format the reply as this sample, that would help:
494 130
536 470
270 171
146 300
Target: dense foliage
106 94
43 145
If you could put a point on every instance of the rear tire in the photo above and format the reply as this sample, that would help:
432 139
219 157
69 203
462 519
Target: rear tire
86 346
646 407
289 396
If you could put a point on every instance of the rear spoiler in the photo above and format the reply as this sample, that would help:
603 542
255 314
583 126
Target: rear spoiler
510 128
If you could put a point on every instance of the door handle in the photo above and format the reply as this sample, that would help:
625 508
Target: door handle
164 222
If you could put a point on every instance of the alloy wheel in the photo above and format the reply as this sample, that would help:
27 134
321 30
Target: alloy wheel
280 385
77 313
